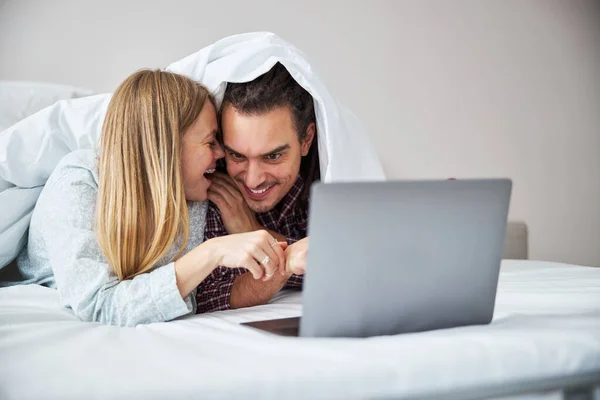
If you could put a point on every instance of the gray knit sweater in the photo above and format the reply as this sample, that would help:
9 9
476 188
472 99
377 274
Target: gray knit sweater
63 253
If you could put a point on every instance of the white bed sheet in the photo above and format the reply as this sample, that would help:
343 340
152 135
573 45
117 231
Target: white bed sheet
546 325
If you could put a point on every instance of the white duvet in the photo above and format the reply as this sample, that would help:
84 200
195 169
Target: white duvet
31 149
546 325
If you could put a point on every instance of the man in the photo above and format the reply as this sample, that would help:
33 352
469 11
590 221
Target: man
270 142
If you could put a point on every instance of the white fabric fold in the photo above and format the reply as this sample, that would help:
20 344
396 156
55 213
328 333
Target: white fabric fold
31 149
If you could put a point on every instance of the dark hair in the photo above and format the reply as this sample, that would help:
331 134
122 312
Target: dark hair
277 88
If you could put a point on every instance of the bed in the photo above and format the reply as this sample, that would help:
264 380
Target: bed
544 342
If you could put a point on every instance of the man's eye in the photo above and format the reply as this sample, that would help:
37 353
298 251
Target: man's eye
273 157
235 156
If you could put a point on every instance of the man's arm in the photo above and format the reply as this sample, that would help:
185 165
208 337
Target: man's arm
247 291
226 289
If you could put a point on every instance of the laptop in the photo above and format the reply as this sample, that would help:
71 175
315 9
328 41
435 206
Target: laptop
396 257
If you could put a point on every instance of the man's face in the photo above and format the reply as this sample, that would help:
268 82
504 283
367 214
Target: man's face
263 154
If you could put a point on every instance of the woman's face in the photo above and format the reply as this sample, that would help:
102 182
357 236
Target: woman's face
200 151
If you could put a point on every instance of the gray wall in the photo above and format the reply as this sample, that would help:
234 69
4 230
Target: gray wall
447 88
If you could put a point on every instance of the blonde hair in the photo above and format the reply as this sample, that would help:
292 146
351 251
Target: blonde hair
141 208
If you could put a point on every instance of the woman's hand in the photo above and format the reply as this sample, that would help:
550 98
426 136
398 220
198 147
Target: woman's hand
257 251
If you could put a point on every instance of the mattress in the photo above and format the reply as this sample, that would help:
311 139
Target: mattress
545 331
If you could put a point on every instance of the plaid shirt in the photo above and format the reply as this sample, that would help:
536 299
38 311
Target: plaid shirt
288 219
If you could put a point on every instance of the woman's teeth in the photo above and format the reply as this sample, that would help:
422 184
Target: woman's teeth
210 171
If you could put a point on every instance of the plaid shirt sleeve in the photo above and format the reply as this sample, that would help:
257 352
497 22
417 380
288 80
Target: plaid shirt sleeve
215 291
295 282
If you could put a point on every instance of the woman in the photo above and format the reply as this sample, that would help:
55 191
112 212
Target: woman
120 236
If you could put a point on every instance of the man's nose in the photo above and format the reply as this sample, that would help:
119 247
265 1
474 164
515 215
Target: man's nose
255 175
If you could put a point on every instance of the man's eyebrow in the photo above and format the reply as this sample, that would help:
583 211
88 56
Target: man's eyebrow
231 150
276 150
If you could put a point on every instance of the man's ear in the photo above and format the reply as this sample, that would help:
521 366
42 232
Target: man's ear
308 139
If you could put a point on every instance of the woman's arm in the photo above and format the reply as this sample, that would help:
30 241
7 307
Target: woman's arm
193 268
64 215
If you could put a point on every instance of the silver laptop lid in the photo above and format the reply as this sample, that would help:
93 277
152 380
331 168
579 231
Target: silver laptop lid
403 256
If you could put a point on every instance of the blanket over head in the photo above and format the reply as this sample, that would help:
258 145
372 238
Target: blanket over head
31 149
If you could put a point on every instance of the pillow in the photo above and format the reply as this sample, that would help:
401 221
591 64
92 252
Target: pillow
21 99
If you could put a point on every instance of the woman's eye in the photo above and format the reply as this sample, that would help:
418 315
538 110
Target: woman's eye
273 157
212 144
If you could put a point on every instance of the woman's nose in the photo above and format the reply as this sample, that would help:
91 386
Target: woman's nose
218 152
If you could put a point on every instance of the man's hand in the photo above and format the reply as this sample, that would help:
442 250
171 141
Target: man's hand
237 217
295 256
